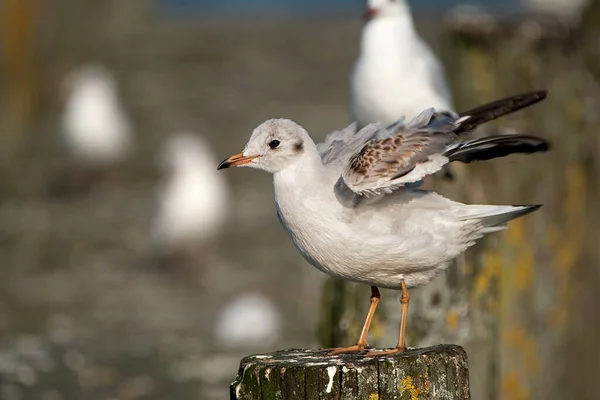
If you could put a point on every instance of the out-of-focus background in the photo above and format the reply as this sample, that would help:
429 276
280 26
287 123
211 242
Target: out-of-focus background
129 269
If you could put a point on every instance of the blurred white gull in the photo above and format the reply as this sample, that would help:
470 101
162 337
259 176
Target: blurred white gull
396 73
248 321
96 130
193 201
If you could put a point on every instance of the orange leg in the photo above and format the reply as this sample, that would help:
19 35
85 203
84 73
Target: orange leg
362 340
404 300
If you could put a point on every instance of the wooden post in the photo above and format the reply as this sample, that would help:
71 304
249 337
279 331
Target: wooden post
438 372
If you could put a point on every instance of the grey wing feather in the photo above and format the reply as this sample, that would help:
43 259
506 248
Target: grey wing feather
336 136
410 152
339 146
384 165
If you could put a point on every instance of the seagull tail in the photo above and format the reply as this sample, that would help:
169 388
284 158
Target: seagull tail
494 218
471 119
495 146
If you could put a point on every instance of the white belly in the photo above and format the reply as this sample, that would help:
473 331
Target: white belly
382 257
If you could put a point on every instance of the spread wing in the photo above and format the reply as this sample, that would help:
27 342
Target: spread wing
339 146
405 157
401 155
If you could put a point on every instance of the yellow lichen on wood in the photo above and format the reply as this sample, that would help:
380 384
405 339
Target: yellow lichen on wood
513 389
516 285
526 345
492 266
523 265
452 320
524 269
373 396
516 233
567 242
406 384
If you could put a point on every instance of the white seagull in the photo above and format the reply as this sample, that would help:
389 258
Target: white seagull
352 204
193 201
247 321
96 130
393 62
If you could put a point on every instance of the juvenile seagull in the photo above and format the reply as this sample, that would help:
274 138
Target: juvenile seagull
394 59
352 204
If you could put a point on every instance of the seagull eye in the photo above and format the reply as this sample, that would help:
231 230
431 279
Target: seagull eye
274 144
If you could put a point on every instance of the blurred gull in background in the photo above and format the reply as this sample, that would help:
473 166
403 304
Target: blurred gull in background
192 201
248 321
96 131
396 73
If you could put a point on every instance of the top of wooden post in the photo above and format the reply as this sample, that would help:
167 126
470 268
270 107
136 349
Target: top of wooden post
438 372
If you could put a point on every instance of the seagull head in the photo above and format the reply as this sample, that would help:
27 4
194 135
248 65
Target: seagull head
384 8
274 145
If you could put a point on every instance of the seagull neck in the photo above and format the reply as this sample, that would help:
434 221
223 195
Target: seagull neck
303 173
310 162
389 34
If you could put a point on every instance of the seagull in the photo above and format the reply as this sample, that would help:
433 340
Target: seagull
248 320
193 201
353 207
394 60
95 130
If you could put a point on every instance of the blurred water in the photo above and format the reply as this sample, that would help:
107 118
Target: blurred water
318 7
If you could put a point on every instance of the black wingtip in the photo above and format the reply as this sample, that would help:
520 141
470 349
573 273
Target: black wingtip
476 116
526 209
529 208
491 147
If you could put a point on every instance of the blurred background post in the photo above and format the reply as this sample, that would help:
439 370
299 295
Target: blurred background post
18 65
114 283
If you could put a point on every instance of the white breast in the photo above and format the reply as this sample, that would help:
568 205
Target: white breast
379 244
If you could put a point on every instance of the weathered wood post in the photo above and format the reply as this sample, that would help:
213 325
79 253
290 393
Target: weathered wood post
438 372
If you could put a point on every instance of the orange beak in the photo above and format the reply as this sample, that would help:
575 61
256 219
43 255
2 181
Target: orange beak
235 161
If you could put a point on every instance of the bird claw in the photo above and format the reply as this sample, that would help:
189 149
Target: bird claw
354 349
395 350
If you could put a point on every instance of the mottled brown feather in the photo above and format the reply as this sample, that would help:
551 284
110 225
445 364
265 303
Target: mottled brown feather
397 155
